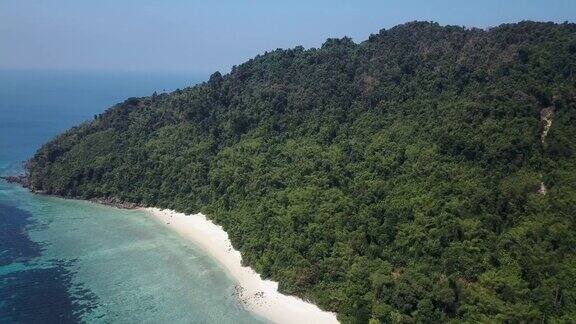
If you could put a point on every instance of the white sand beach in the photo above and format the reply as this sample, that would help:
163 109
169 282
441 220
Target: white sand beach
255 294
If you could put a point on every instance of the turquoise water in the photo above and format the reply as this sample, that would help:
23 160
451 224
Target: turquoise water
72 261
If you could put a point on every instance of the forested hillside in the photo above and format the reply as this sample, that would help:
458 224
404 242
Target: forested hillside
406 178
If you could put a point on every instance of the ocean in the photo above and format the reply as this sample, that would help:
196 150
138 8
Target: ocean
69 261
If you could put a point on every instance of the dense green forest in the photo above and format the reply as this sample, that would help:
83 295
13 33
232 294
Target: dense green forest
409 178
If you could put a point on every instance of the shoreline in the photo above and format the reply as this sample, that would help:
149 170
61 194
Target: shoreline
253 293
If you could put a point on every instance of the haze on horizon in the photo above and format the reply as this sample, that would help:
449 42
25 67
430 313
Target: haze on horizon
201 37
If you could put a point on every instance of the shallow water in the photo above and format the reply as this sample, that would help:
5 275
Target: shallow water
75 261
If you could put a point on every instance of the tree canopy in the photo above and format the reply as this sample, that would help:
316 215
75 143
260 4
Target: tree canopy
395 180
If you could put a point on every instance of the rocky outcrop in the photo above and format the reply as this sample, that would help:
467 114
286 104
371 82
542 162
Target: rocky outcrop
546 118
115 202
17 179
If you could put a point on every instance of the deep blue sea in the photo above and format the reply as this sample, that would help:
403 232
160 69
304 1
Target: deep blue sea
67 261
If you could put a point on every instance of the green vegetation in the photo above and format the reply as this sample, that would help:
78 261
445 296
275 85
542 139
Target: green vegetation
395 180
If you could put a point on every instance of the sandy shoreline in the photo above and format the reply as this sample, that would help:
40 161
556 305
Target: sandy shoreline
257 295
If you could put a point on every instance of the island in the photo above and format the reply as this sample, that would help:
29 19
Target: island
426 174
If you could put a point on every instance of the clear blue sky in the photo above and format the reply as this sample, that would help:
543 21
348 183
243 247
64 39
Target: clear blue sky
203 36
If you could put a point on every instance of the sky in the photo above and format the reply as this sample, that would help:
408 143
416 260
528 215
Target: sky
205 36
